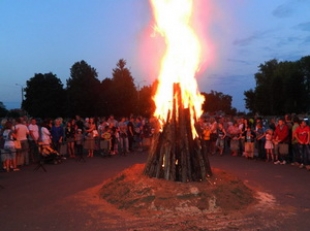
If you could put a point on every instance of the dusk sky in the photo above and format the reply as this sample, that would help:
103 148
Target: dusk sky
237 36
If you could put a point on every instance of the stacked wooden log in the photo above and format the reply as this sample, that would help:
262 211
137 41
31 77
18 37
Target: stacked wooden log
174 154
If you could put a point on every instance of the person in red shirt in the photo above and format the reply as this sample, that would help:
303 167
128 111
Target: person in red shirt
281 141
302 135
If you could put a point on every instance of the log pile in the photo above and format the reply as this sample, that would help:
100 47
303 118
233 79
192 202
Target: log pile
174 154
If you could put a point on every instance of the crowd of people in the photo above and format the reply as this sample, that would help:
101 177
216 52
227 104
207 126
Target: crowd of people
276 140
280 141
26 140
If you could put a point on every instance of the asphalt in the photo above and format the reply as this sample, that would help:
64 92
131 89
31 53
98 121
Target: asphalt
38 200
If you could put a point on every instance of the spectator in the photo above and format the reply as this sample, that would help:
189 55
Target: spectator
213 135
124 144
269 145
33 139
296 158
105 141
9 153
130 126
22 133
79 123
79 139
221 134
89 143
206 137
302 135
260 141
249 139
69 138
281 140
234 133
57 133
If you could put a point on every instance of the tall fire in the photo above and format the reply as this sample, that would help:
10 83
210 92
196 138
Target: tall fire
176 153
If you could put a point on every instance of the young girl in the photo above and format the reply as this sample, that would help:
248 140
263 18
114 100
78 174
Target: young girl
221 134
89 143
269 145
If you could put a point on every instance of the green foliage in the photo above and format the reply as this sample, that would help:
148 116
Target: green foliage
44 96
281 87
123 97
82 90
3 110
146 105
216 102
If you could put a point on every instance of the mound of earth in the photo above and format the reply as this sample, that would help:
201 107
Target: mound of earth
131 201
140 195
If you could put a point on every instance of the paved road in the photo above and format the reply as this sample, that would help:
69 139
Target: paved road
35 200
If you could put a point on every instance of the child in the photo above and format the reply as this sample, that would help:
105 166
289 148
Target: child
221 134
79 138
249 137
105 142
269 145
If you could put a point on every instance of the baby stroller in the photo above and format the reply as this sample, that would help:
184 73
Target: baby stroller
47 155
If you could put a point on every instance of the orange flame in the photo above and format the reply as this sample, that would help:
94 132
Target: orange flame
181 60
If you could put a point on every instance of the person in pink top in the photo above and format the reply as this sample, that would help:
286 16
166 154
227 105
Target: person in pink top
302 135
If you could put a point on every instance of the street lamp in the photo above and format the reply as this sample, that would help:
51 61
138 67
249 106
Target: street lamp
22 90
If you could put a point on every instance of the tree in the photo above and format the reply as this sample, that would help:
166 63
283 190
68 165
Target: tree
3 110
124 94
83 90
44 96
146 105
304 67
217 101
250 100
280 88
106 106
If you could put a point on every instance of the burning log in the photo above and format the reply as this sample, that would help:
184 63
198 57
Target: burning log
174 154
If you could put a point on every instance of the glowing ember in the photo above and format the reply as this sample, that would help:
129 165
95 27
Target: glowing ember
181 59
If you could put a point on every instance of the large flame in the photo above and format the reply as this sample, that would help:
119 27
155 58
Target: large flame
181 59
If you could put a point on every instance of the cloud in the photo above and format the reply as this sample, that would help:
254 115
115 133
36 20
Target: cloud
306 41
245 41
303 26
254 37
283 11
239 61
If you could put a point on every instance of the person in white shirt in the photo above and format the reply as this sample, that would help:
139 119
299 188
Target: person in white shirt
33 139
22 132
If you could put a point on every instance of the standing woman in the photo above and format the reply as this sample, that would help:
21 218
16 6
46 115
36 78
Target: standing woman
89 138
69 135
9 155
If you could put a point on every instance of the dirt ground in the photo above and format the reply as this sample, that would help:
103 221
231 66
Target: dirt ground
223 202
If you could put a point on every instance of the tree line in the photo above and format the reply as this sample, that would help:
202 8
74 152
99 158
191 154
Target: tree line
281 87
45 95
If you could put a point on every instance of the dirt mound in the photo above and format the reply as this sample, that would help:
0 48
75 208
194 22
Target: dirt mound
140 195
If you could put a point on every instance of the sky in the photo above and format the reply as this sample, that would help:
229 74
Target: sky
236 35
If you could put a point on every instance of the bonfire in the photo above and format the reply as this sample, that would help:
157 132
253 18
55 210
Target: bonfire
176 152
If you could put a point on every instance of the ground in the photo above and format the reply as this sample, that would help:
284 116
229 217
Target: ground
137 202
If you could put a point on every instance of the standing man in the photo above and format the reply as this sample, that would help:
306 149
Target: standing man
131 128
281 140
22 132
33 139
302 134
